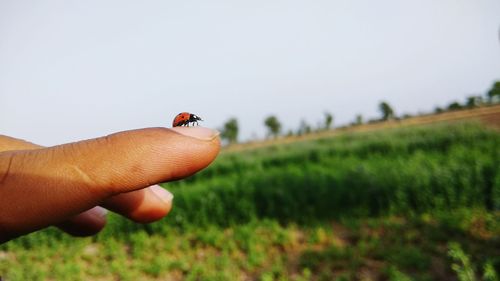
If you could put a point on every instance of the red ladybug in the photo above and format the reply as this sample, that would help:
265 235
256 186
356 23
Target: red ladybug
184 118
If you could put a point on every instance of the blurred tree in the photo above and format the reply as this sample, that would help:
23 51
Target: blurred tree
494 93
386 110
230 131
328 120
438 110
454 106
359 119
273 125
304 128
473 101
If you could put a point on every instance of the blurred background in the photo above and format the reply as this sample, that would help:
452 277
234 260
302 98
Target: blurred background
361 137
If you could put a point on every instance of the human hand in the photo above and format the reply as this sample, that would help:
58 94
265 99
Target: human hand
65 185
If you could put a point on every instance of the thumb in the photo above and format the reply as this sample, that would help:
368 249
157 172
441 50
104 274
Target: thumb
45 186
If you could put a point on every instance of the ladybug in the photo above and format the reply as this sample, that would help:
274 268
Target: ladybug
184 118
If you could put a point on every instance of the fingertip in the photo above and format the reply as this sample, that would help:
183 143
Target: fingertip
181 151
87 223
200 133
156 205
162 194
143 206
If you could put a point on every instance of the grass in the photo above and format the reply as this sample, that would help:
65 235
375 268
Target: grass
364 206
375 248
392 172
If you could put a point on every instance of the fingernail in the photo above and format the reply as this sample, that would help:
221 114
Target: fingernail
162 193
98 212
201 133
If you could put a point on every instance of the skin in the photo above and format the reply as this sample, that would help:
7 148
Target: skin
71 186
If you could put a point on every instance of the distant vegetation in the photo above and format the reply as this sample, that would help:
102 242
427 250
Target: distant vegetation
328 120
230 131
386 110
494 93
274 126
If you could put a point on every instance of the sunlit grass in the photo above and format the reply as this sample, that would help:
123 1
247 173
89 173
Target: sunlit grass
379 248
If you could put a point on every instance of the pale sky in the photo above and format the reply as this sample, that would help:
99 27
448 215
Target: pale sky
72 70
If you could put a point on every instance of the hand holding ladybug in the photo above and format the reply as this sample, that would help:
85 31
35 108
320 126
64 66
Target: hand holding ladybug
75 183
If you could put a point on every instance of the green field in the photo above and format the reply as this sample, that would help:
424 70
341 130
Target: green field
416 203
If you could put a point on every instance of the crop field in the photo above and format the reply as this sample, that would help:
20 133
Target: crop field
415 203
